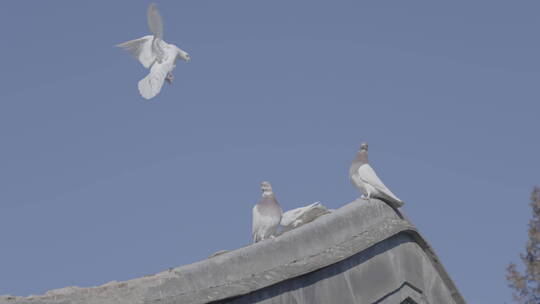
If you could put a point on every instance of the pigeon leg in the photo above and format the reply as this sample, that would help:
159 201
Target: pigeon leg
169 77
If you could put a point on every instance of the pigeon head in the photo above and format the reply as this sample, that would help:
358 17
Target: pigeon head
266 188
362 155
184 55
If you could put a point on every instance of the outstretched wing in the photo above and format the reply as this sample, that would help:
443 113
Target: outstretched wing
142 49
303 215
151 85
368 175
154 21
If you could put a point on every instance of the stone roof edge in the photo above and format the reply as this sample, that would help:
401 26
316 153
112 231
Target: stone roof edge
329 257
388 224
456 295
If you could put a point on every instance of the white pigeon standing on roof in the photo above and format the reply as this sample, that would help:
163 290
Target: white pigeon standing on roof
266 215
154 53
366 180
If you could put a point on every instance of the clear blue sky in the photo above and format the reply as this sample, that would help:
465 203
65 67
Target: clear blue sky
98 184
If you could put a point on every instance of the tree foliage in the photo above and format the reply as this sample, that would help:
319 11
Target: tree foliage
526 285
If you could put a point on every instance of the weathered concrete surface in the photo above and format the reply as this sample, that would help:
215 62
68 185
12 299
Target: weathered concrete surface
389 272
364 252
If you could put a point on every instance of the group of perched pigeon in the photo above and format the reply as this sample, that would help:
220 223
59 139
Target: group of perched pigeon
267 214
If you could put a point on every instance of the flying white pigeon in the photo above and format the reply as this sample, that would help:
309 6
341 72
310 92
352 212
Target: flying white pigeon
266 215
366 180
154 53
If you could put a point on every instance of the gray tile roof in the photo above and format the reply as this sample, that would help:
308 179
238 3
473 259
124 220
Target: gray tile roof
362 233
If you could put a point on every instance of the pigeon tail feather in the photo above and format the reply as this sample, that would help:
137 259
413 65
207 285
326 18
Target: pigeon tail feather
391 200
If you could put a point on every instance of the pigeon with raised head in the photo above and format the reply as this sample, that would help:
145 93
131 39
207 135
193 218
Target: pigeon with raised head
154 53
366 180
266 215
